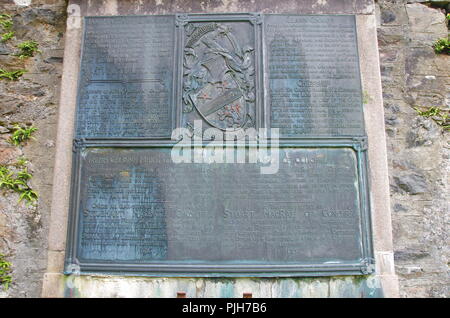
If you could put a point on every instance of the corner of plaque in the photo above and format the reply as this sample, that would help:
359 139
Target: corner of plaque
256 18
360 144
367 266
181 19
78 144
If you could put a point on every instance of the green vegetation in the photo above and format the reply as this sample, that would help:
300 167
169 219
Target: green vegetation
21 134
29 195
16 179
6 36
6 178
6 24
18 182
366 97
440 116
432 111
6 21
21 162
5 270
442 46
11 75
27 49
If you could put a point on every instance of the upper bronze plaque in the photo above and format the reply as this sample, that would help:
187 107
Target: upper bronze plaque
126 77
313 83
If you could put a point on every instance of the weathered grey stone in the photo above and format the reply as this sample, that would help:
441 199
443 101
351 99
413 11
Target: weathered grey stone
390 37
387 16
441 3
40 15
391 120
426 24
23 230
412 183
419 58
424 132
417 146
4 49
410 254
399 208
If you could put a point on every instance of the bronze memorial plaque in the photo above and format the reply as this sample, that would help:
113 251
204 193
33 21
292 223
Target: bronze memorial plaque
220 145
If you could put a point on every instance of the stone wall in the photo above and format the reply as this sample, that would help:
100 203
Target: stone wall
418 147
412 76
32 100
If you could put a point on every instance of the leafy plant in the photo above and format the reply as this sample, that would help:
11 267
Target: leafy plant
432 111
442 46
24 175
6 178
440 116
6 36
5 270
21 134
19 183
21 162
29 195
11 75
6 21
27 49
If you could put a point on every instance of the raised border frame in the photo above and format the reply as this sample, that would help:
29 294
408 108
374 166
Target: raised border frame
364 267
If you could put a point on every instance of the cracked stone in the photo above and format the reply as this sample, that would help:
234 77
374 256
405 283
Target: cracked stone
412 183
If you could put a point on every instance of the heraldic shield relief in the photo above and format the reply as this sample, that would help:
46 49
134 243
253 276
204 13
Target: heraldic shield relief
218 75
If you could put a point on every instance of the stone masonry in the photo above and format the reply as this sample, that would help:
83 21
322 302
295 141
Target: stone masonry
418 148
32 100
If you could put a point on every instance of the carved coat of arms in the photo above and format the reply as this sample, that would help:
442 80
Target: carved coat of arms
218 78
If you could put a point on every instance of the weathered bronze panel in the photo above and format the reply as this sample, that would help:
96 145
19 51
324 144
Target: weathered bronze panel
134 209
313 80
137 206
219 74
126 77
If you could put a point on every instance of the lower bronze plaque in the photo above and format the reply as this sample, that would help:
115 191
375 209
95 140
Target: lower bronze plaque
138 210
